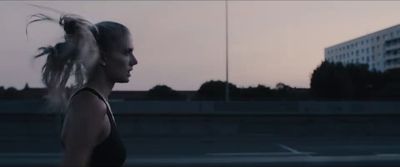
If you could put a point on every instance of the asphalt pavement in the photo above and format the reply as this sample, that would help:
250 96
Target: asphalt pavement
249 151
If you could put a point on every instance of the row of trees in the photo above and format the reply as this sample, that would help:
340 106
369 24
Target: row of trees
335 81
215 90
329 81
26 93
210 90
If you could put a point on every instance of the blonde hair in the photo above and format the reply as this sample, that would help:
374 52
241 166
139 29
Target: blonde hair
76 56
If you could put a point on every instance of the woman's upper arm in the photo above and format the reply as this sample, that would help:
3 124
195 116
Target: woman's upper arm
85 124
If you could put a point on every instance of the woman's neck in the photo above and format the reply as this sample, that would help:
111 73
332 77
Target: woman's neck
102 84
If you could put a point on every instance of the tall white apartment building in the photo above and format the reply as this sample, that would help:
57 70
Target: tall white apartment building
380 50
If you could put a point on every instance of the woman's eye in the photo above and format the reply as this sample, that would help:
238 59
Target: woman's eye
126 53
129 51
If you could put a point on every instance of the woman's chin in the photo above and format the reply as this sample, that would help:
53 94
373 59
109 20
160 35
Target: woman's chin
125 80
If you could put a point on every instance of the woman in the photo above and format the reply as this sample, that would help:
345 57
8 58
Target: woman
98 56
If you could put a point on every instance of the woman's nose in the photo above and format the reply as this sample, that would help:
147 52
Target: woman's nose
133 60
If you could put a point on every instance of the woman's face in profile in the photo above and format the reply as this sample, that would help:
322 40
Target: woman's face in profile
120 60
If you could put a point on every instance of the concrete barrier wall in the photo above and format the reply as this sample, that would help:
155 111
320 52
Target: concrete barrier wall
156 118
268 106
35 106
26 125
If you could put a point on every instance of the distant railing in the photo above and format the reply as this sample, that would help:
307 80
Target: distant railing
120 106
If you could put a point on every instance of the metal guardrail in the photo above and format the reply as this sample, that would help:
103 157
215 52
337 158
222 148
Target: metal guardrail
234 107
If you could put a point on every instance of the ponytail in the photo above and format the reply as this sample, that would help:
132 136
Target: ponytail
76 57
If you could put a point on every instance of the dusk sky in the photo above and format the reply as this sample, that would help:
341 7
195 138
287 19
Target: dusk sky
182 43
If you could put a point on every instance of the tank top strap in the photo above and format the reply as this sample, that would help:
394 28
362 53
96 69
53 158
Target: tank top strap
109 113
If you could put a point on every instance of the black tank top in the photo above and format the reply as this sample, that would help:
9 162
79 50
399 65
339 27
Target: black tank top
111 152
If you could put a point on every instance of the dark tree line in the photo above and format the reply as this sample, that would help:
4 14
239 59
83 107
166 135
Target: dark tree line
208 91
335 81
163 92
329 81
12 93
215 90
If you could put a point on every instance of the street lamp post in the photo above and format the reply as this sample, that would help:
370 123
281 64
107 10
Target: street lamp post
226 53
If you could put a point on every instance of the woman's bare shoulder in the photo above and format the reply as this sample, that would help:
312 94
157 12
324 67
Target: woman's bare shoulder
86 102
85 122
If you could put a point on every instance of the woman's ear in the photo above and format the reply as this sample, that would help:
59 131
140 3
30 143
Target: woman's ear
102 59
102 62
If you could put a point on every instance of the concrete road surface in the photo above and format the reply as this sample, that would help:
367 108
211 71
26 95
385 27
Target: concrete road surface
247 151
